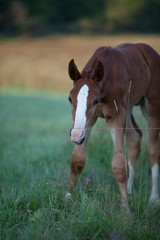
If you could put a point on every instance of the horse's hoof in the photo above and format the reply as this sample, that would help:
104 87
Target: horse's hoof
68 196
129 215
154 201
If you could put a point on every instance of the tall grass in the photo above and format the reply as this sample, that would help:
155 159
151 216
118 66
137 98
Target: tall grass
35 151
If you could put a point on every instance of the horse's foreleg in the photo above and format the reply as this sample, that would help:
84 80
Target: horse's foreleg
133 142
119 161
120 168
79 158
77 164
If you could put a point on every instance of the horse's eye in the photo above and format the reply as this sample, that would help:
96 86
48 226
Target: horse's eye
69 98
95 102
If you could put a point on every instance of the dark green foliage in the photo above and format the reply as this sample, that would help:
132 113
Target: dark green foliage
93 16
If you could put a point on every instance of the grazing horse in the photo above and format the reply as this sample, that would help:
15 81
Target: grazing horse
112 82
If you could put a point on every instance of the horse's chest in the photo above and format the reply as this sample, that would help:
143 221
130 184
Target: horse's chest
106 111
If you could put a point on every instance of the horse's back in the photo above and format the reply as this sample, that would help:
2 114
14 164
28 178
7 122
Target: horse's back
147 52
137 62
146 60
152 58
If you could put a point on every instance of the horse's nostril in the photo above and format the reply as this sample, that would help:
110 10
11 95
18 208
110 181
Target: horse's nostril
70 132
82 135
82 140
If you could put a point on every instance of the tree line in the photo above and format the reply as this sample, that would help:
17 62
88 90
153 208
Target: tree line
92 16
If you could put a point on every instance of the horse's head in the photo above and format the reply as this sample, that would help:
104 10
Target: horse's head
84 98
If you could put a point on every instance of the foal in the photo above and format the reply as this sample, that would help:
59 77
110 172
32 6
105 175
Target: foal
111 83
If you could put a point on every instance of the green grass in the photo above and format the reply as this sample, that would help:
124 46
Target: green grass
35 151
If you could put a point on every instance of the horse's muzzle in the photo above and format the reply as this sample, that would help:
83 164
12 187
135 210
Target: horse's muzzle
77 136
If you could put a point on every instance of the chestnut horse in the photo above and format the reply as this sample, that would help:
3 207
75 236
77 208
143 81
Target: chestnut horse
112 82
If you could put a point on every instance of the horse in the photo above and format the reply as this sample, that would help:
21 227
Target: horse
113 81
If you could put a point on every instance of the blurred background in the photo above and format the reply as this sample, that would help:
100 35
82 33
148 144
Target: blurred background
39 37
38 17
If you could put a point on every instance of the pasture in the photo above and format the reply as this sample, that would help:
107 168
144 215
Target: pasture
35 150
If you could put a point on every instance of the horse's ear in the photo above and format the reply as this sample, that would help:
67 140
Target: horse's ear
98 71
73 71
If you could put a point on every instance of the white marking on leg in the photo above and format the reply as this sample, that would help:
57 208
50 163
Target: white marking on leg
130 179
154 192
112 130
68 195
80 115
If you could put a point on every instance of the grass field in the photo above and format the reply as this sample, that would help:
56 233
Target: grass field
35 150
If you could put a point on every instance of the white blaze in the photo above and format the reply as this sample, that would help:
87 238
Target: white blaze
80 116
